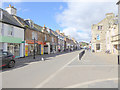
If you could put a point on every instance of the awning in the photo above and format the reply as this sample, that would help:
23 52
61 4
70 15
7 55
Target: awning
10 39
36 42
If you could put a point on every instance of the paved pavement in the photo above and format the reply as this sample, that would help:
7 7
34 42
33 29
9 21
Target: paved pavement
64 71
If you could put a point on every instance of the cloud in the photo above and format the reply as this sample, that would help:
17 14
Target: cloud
78 17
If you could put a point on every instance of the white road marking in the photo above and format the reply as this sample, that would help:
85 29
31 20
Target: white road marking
53 75
80 65
91 82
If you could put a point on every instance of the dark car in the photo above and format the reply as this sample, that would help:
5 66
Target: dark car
7 59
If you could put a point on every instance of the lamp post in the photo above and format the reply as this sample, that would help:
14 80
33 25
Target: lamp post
34 49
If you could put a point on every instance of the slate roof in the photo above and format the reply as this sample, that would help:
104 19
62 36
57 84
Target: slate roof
9 19
25 23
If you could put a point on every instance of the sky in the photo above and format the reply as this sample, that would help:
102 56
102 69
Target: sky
72 18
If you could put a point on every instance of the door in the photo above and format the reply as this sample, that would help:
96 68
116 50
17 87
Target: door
98 47
40 48
46 49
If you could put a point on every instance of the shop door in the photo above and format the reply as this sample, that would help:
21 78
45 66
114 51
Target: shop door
11 48
40 48
17 50
46 49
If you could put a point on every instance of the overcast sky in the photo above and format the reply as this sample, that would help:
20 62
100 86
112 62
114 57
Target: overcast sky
72 18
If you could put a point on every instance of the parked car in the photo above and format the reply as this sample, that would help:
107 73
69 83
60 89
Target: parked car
7 59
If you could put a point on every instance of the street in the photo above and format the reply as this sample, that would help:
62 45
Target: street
65 70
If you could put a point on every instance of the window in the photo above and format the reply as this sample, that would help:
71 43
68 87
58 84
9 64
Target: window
36 37
45 38
1 14
100 27
10 31
52 39
32 35
97 46
98 37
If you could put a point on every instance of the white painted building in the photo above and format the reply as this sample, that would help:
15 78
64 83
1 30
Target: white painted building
11 33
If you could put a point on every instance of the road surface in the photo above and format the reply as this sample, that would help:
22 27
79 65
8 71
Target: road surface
64 71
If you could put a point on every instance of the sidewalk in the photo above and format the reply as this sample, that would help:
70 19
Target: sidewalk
90 58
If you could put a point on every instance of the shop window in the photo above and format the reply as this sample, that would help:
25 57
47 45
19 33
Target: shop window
118 47
10 31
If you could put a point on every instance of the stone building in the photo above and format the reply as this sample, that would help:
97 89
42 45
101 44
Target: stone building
104 33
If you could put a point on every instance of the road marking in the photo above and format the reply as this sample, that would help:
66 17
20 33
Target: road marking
90 82
80 65
53 75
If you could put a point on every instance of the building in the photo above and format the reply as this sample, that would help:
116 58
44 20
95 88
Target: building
61 41
104 33
11 32
50 39
118 36
54 39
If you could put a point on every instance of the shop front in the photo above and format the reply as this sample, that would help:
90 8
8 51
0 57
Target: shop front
14 48
29 47
53 48
13 45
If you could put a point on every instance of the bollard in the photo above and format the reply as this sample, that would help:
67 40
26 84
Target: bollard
81 54
42 59
118 59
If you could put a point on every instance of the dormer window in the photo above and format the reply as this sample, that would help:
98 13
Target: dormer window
30 23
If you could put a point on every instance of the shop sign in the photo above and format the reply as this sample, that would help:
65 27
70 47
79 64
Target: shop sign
41 49
26 50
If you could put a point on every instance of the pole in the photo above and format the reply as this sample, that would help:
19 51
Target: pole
34 50
118 59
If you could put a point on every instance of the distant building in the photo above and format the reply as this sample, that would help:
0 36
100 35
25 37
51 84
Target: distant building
61 41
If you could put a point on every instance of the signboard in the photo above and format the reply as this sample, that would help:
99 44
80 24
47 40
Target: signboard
98 37
41 49
26 50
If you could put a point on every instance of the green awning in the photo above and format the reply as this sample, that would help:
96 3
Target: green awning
10 39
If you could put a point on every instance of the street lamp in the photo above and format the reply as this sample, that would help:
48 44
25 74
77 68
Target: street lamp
34 49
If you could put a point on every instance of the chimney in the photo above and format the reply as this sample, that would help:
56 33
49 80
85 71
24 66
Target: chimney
110 15
11 10
58 31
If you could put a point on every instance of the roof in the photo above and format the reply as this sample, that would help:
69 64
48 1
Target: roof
25 23
21 20
8 18
38 27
